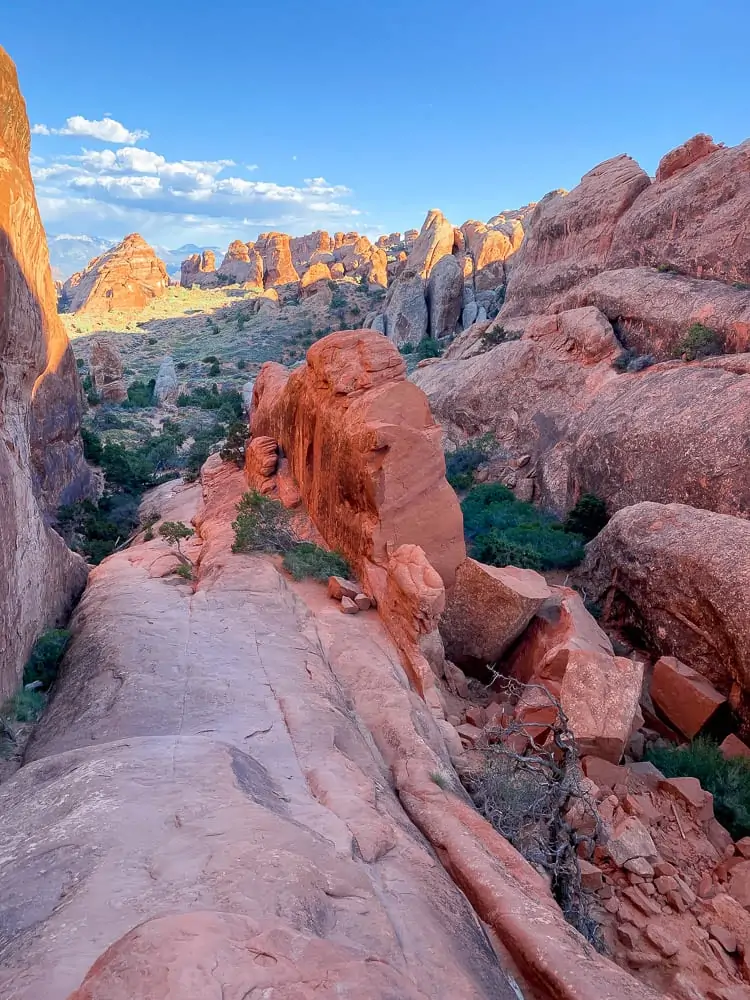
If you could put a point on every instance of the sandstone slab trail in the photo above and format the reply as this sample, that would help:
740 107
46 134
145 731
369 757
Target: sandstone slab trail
202 801
231 795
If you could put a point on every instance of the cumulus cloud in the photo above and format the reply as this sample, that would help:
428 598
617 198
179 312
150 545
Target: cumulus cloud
106 129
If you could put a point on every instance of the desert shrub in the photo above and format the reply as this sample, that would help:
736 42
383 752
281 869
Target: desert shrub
129 469
699 342
234 446
46 656
183 570
497 526
461 464
181 366
203 442
92 396
262 525
215 369
175 532
727 780
80 363
667 269
428 347
241 364
498 335
306 559
212 399
92 446
338 301
140 394
529 797
741 286
587 517
26 706
151 340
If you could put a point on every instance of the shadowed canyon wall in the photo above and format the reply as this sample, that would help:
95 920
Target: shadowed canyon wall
41 459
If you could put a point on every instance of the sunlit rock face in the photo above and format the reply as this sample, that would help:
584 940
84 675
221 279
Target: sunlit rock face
128 276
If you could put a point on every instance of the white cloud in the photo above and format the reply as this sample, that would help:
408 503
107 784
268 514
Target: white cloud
106 129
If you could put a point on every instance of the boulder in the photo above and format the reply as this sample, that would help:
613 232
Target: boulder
732 746
629 840
686 698
275 252
261 461
41 457
313 279
363 260
632 565
444 297
242 263
126 277
488 609
406 315
339 587
107 371
167 387
364 451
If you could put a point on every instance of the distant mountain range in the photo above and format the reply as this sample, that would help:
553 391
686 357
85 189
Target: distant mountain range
69 253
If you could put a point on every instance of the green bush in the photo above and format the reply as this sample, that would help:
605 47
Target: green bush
215 369
131 470
428 347
234 446
587 517
80 363
461 464
92 396
24 706
210 359
727 780
498 335
501 530
92 446
699 342
212 399
308 560
241 364
140 394
45 658
262 525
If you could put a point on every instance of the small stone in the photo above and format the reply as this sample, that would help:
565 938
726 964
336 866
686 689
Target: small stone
734 747
363 602
743 846
706 888
676 901
348 606
639 899
665 884
606 892
639 866
476 716
338 587
611 905
629 935
689 791
634 879
664 868
661 939
630 839
726 939
648 888
469 734
591 876
687 893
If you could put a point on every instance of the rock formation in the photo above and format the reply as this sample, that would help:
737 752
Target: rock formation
41 459
242 263
276 254
363 260
553 395
349 423
167 386
126 277
107 371
704 619
444 296
303 248
199 269
406 314
310 282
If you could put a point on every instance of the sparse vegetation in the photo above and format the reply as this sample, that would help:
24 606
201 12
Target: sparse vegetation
587 517
502 531
667 269
699 342
140 394
727 780
497 335
42 666
176 532
307 560
428 347
462 464
236 441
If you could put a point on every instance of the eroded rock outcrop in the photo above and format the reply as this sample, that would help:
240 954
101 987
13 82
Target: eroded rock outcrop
128 276
107 371
406 318
242 263
199 269
351 425
276 254
41 459
303 248
435 240
680 576
167 385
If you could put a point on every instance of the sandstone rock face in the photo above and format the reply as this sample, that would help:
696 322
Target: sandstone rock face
196 776
488 609
167 386
41 459
690 152
362 259
126 277
570 234
705 621
554 395
363 449
434 241
303 248
106 371
198 269
312 278
242 263
445 288
275 252
489 249
406 314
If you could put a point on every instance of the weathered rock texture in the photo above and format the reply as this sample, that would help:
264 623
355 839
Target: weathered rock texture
199 269
554 396
126 277
406 314
691 220
302 248
276 254
107 371
364 450
167 386
681 577
41 459
258 808
242 263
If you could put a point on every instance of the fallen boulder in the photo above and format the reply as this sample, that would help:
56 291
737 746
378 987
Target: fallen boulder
686 698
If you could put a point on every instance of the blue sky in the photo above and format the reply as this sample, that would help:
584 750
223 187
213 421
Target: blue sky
354 115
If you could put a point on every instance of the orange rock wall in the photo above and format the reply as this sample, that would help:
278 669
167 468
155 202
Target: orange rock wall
364 449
